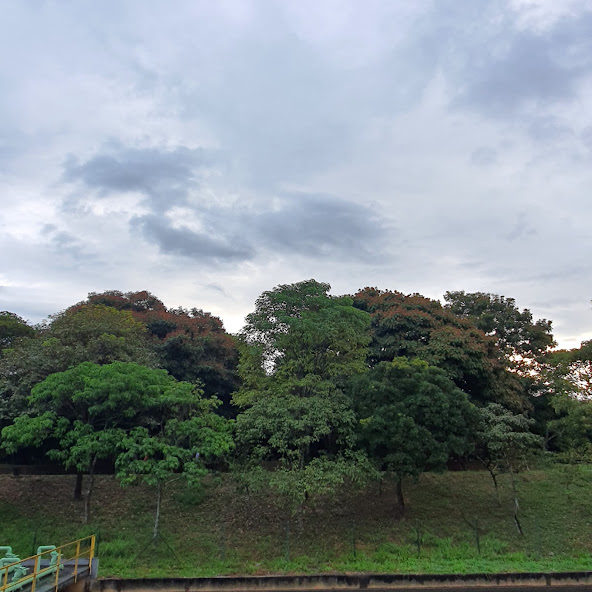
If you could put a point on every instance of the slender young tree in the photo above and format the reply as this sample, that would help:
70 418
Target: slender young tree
189 436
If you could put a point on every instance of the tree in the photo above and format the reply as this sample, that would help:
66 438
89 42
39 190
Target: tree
298 329
521 339
564 382
188 437
571 428
299 348
83 414
413 326
89 333
412 418
191 345
12 329
504 443
569 372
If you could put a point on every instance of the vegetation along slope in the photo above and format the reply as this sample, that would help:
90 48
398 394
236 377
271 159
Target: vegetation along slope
321 437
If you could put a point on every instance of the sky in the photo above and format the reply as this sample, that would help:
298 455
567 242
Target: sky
208 151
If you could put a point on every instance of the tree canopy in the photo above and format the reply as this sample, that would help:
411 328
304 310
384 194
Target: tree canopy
517 335
412 417
323 388
414 326
89 333
86 413
191 345
12 328
298 347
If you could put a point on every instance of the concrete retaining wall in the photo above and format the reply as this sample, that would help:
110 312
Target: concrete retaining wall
523 582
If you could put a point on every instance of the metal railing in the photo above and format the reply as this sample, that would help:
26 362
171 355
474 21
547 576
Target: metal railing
47 566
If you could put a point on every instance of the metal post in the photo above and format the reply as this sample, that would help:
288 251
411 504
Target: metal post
35 567
5 578
90 557
76 564
58 570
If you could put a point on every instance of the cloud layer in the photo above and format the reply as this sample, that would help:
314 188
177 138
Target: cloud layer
214 151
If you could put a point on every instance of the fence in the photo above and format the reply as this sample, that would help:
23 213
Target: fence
50 567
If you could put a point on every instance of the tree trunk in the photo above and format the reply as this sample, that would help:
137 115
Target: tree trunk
491 467
78 486
91 478
300 513
157 516
494 478
400 497
516 504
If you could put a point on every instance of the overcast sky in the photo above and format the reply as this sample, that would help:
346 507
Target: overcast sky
207 151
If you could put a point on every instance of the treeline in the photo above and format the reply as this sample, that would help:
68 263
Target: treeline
314 391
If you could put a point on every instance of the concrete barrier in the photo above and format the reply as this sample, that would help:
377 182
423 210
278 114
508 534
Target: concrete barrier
524 582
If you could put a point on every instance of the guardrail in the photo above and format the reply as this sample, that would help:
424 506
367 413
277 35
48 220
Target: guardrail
47 566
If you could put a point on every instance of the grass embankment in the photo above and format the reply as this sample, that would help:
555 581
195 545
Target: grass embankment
220 531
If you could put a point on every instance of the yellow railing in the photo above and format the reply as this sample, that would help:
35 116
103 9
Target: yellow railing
62 561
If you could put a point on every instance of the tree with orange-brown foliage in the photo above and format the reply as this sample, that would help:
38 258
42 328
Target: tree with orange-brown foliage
414 326
192 345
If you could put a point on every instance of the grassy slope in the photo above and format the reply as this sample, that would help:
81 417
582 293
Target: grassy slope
220 531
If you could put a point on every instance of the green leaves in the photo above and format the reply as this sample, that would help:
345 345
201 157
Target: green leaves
28 431
417 327
503 438
85 333
155 459
288 425
299 329
412 416
89 411
517 335
12 329
299 348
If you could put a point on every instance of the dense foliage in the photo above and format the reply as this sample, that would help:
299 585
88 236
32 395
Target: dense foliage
315 390
412 418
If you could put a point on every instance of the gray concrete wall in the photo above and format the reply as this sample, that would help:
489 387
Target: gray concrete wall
524 582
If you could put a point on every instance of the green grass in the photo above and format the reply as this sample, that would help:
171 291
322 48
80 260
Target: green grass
217 530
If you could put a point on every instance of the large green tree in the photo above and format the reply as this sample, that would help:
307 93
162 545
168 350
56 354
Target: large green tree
412 418
82 415
299 348
89 333
192 345
519 337
566 377
12 329
414 326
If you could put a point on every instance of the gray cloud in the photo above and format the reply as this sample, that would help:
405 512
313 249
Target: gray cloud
521 68
301 225
521 228
183 241
69 248
321 224
280 107
587 137
526 72
163 176
548 129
